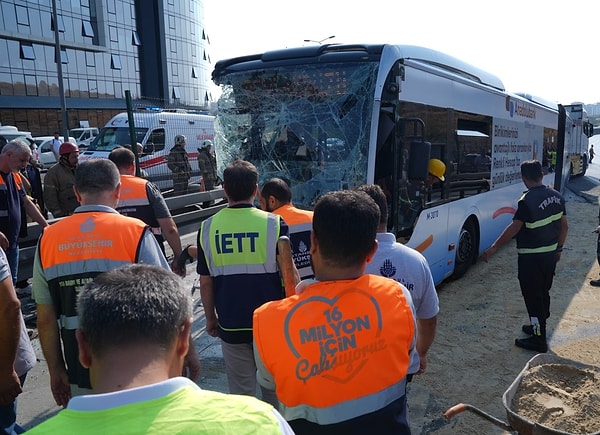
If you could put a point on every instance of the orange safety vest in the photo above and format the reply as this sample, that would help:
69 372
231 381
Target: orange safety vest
72 252
338 350
133 201
300 225
4 203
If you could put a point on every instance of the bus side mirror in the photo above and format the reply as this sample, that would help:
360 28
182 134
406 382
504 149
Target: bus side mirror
418 167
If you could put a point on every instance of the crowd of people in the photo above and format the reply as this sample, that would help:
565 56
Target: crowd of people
320 331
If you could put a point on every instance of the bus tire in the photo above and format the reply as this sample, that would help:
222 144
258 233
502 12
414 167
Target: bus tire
466 249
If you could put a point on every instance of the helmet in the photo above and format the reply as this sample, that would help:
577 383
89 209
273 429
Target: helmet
179 139
437 168
207 143
67 148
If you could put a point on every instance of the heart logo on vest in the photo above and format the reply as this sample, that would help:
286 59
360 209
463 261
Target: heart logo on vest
342 334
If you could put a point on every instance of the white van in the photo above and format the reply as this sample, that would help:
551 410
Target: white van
156 132
84 135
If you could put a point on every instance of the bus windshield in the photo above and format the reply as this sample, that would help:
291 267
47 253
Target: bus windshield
308 124
111 137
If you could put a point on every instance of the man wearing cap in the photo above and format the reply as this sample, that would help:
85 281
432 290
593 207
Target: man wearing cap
59 196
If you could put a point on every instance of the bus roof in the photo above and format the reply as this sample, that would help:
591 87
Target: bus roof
345 52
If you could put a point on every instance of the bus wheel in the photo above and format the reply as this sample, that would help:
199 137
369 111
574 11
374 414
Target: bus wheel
466 250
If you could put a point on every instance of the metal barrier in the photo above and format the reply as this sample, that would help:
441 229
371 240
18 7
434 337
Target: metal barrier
186 210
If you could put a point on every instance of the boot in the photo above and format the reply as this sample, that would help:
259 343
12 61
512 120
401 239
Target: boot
535 342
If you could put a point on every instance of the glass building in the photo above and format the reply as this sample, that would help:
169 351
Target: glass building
156 49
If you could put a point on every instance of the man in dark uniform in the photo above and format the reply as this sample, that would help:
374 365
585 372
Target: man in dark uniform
540 226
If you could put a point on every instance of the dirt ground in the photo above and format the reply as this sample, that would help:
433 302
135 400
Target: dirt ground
474 360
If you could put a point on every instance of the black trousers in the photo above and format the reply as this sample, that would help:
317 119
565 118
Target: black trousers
536 273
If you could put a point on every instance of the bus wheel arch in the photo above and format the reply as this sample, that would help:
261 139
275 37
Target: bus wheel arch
467 247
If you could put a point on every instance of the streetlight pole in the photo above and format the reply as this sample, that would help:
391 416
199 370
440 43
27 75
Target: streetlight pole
320 41
61 86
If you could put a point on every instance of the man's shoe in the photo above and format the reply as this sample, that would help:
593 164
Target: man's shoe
595 282
527 329
534 342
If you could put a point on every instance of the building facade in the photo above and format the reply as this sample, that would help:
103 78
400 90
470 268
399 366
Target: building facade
156 49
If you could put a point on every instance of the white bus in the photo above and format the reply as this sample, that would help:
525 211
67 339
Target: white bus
333 117
155 130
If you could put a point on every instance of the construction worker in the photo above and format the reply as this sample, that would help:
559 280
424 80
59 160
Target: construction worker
276 197
59 180
179 164
337 354
69 254
437 169
142 199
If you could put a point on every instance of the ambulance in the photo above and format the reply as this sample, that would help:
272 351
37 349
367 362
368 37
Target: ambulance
155 130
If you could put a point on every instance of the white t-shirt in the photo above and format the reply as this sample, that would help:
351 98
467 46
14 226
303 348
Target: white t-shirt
410 268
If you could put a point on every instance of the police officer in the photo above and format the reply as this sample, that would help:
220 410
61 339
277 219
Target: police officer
540 227
243 256
179 164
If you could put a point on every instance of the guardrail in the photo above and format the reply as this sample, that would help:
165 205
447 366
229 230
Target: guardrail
186 210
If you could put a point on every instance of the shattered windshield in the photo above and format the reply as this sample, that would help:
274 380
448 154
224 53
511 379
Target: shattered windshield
308 124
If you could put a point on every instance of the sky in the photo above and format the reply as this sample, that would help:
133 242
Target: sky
543 48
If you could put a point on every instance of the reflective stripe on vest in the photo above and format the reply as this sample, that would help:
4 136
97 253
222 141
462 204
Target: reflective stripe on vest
339 350
229 251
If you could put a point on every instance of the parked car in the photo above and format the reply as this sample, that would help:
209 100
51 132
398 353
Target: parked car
9 132
45 156
84 136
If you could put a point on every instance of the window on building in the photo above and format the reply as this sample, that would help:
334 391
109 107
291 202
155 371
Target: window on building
31 85
61 24
203 35
27 51
176 92
93 88
22 15
64 58
115 61
135 38
194 74
114 34
87 29
90 58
